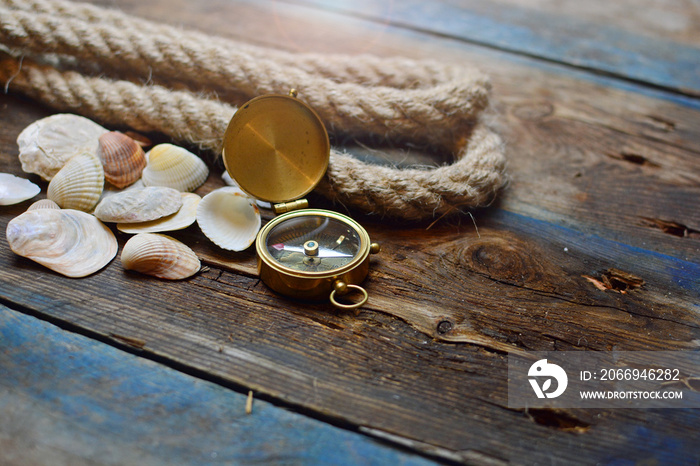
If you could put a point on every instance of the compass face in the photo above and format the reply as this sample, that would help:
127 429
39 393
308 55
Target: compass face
313 243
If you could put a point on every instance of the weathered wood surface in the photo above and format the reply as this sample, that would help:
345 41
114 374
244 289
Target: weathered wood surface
565 32
77 401
603 177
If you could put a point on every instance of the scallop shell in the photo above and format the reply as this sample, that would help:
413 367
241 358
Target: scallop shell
139 205
67 241
231 182
14 189
79 184
229 218
160 256
47 144
174 167
44 204
123 159
183 218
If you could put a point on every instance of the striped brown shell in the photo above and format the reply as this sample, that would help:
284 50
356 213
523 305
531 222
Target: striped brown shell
123 158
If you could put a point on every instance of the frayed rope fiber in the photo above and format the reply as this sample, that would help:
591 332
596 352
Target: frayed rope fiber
91 60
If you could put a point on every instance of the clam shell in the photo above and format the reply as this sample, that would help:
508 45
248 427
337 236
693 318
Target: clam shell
14 189
123 159
183 218
111 189
44 204
160 256
174 167
79 184
47 144
66 241
229 218
139 205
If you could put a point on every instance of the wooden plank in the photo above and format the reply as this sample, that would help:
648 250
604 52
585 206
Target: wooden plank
553 34
661 19
67 399
518 286
304 27
504 291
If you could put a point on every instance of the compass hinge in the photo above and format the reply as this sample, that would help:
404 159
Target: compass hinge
289 206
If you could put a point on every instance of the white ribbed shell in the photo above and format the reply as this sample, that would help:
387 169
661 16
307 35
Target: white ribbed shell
229 218
79 184
44 204
174 167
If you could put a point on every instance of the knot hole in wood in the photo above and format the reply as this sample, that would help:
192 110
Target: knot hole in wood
504 259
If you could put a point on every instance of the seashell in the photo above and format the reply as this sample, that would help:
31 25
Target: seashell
177 221
140 139
123 159
111 189
79 184
14 189
139 205
160 256
44 204
229 218
70 242
174 167
47 144
231 182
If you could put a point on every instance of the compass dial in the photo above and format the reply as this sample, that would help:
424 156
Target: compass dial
313 243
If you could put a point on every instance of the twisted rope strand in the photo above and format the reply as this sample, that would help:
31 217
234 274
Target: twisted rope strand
154 50
401 99
411 194
368 70
178 114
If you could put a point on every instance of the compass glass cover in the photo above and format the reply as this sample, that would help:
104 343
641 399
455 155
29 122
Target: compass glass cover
313 243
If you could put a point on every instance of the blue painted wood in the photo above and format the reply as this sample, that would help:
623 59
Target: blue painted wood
676 273
66 399
601 79
557 38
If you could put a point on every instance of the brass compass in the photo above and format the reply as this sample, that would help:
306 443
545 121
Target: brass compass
277 150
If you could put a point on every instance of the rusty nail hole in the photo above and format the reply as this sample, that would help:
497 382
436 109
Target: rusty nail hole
444 326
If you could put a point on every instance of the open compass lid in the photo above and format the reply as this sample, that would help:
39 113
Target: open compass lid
276 148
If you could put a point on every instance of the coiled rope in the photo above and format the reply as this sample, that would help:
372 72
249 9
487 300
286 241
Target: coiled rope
93 61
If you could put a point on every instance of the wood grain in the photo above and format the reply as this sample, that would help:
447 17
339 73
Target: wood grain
366 369
556 34
659 19
75 401
424 363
